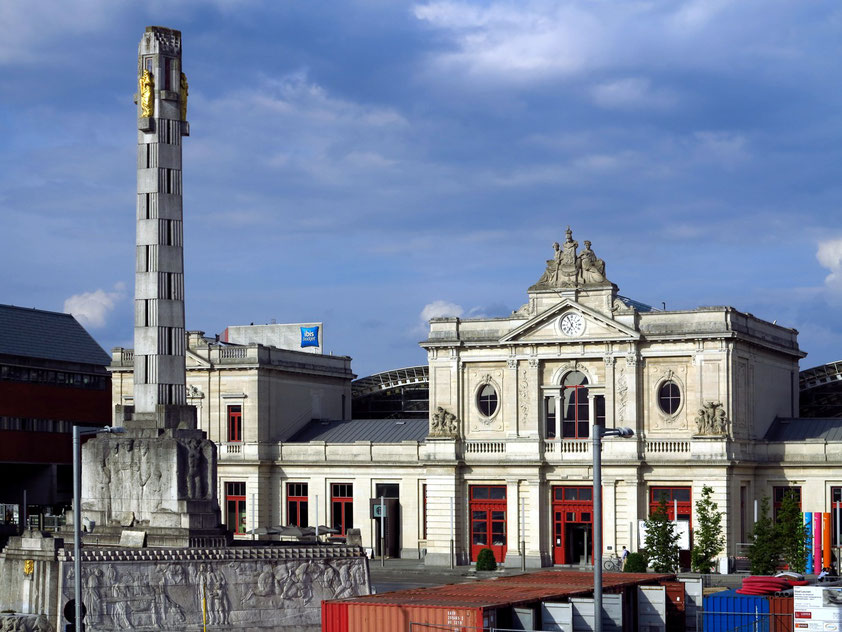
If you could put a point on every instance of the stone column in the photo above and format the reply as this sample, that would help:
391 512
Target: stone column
511 399
159 271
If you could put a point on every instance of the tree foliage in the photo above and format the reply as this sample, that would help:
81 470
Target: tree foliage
708 538
763 552
791 533
661 541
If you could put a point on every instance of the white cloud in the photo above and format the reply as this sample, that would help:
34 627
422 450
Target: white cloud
829 255
441 309
91 309
631 93
515 40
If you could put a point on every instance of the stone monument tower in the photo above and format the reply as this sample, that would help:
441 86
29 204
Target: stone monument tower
159 477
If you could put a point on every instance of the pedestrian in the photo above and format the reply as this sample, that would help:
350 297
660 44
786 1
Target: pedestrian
623 557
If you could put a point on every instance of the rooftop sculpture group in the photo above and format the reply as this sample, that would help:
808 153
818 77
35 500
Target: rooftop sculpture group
567 269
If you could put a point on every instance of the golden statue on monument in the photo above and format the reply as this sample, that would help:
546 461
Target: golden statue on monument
147 94
184 91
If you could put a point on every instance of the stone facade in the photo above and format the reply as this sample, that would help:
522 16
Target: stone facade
700 388
275 392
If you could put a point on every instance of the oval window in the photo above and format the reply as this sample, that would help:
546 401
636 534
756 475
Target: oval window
669 397
487 400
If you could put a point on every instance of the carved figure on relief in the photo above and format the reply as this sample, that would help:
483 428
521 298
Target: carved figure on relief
444 423
91 589
524 396
622 393
712 419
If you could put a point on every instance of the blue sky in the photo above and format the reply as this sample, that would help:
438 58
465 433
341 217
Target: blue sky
369 164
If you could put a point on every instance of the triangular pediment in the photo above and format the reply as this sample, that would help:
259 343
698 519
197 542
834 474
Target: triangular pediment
193 360
583 323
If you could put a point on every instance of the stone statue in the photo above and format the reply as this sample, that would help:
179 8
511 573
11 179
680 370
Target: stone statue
711 419
567 269
568 264
444 424
591 268
147 94
551 273
184 90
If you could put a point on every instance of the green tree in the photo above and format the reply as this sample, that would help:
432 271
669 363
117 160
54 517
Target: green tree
708 539
661 541
791 533
763 553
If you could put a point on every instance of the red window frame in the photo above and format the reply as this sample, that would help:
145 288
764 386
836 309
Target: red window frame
235 423
235 507
488 520
575 415
835 508
424 511
342 506
297 504
684 496
778 497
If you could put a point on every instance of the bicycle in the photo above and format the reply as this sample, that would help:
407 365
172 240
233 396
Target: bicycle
612 563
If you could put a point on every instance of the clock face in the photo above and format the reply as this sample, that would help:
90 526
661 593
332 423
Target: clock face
572 324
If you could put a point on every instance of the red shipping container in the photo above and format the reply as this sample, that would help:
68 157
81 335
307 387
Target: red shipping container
781 611
383 617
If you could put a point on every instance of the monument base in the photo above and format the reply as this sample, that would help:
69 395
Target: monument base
252 588
157 479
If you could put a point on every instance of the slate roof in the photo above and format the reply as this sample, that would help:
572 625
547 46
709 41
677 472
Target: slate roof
630 302
374 430
35 333
799 429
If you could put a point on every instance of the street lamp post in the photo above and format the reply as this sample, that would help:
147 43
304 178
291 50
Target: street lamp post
77 514
598 433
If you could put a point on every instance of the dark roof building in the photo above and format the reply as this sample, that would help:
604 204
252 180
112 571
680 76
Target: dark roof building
52 377
821 390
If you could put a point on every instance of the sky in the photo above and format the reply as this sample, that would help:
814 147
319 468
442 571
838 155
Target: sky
371 164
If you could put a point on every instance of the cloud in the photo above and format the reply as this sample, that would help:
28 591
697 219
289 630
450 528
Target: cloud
829 255
91 309
441 309
631 93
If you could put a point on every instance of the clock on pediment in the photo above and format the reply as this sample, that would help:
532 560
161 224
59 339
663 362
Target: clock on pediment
572 324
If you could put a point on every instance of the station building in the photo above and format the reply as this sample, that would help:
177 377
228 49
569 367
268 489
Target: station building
52 377
503 458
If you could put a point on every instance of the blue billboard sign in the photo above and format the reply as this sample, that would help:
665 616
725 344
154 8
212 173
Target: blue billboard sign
310 336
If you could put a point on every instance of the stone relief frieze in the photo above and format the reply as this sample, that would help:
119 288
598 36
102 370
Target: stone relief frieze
622 393
172 595
523 396
712 420
25 623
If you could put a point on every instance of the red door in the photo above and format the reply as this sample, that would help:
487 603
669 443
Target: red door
572 524
488 520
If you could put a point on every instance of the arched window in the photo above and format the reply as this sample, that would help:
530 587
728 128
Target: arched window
574 422
669 397
487 400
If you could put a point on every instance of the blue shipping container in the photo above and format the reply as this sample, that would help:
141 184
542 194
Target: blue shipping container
729 610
